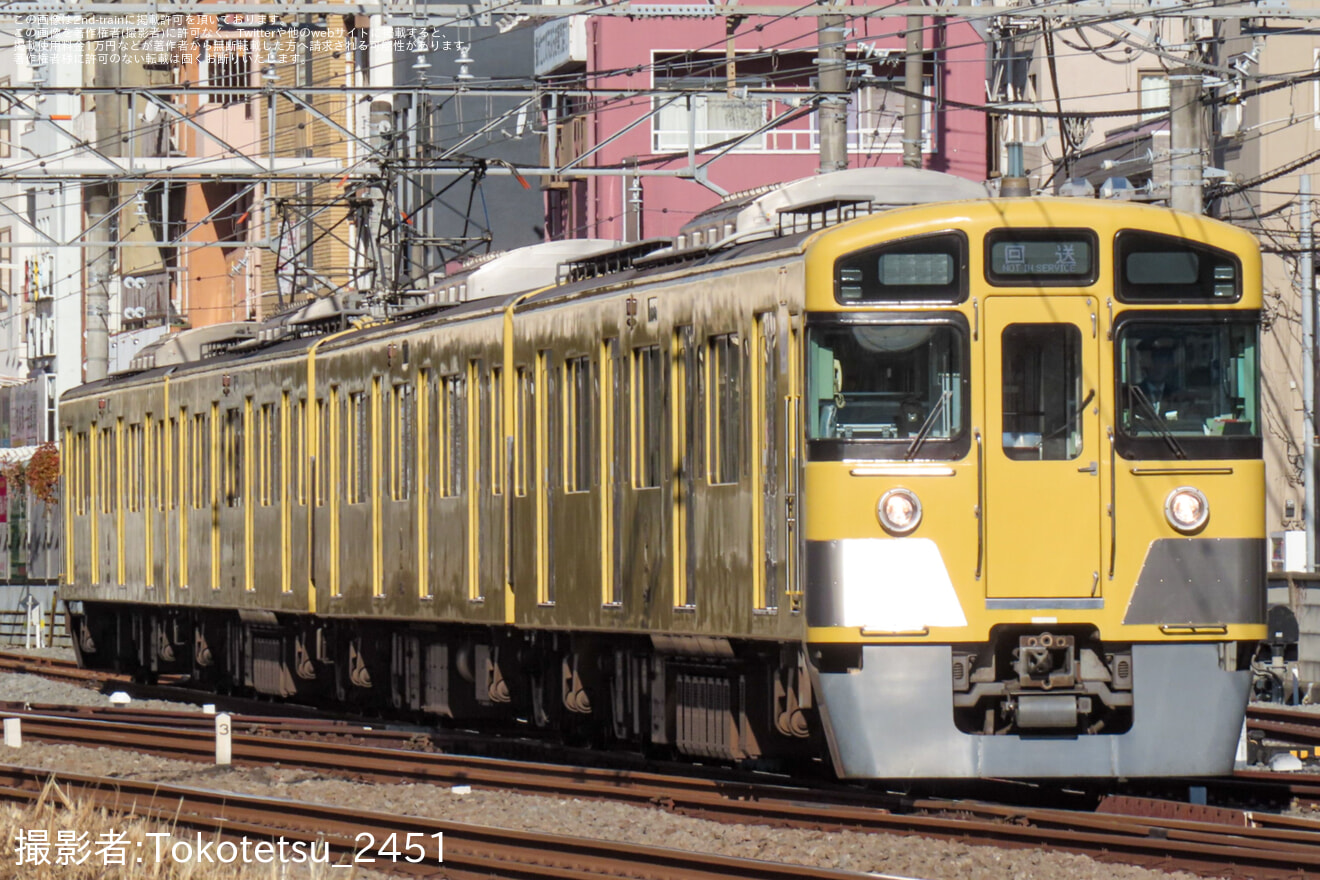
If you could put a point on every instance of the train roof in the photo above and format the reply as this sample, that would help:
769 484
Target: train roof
752 225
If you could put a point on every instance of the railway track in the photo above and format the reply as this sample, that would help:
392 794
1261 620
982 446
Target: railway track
1131 831
463 851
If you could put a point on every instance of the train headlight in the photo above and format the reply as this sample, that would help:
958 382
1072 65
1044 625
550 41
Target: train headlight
899 512
1186 509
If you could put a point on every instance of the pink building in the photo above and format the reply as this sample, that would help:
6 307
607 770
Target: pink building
619 55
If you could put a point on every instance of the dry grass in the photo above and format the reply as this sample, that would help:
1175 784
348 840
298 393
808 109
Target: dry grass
62 820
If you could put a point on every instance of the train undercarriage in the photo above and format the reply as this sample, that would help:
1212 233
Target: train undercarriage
699 697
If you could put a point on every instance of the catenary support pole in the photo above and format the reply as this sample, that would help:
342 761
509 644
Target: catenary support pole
1306 269
1185 147
913 109
833 83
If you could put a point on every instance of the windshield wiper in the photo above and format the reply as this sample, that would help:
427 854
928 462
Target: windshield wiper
926 426
1160 428
1072 419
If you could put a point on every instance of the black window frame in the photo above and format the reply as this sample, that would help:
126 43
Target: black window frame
1124 236
1043 234
955 448
1209 448
953 293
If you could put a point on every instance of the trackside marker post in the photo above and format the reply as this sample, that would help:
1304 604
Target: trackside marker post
14 733
224 740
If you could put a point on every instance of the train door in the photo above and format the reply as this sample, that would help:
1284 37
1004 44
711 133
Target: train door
1042 476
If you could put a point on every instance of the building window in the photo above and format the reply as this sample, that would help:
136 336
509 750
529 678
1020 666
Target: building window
6 263
875 116
717 116
1315 90
6 130
224 65
1153 99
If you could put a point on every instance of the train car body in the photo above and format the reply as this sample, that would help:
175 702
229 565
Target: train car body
901 492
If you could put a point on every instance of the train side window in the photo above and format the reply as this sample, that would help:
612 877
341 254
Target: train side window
358 448
133 466
231 463
293 416
499 457
927 268
114 460
478 448
201 450
451 445
84 456
579 419
723 408
647 415
324 459
117 470
160 486
148 475
183 465
524 428
1042 382
402 441
268 445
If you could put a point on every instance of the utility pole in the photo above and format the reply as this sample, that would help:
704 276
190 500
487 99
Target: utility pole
1185 147
913 68
1306 268
101 200
833 113
98 278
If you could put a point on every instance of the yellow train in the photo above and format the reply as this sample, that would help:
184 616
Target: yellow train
868 468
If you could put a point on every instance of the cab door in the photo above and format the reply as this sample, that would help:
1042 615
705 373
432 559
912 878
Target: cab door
1042 476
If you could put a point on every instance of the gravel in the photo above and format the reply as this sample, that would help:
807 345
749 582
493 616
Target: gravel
883 854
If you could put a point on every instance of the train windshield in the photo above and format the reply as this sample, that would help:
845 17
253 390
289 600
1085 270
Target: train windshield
887 391
1188 389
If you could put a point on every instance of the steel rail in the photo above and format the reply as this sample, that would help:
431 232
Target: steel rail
1270 849
468 850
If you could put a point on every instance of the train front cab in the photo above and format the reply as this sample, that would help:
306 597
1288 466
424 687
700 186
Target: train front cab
1024 556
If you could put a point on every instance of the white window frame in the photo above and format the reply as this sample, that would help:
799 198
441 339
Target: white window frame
1315 91
863 108
670 126
1147 97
